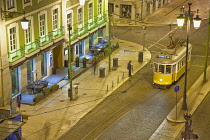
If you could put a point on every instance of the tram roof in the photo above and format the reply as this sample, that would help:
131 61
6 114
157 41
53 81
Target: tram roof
171 55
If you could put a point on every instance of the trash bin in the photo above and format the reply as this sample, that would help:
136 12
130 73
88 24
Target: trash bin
65 63
115 62
102 72
140 58
53 70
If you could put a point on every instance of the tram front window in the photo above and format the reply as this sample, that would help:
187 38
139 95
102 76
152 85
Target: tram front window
168 69
161 68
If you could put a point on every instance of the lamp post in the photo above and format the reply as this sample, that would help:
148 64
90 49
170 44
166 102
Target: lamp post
82 3
207 51
180 21
109 39
8 14
69 63
144 36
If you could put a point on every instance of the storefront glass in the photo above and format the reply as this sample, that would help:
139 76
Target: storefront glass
91 41
125 11
30 69
81 48
15 75
44 64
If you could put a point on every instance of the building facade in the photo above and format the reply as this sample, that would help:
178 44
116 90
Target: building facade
136 10
31 54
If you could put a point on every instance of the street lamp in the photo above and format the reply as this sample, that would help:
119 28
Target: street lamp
184 104
197 21
8 14
82 2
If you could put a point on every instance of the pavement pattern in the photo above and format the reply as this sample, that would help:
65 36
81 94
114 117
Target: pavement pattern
52 117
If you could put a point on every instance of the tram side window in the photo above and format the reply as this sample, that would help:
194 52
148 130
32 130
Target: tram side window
168 69
174 68
156 67
161 68
179 65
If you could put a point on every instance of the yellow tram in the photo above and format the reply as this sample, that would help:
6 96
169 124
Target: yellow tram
169 65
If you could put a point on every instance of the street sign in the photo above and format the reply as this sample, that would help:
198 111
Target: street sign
176 89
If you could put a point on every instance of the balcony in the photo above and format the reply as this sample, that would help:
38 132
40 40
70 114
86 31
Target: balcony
36 46
44 42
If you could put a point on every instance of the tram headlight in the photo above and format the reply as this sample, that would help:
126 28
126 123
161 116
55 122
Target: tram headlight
160 80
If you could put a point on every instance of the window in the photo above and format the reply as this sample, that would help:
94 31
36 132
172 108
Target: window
156 67
27 1
15 74
10 4
111 8
42 27
90 11
28 34
76 49
161 68
168 69
80 16
69 21
55 19
30 69
174 69
100 7
12 39
44 65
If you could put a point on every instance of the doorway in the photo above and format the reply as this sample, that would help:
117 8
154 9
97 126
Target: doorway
57 56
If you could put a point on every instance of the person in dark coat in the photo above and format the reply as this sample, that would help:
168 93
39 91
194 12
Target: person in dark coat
129 67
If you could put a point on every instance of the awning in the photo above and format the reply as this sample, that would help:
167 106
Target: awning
7 127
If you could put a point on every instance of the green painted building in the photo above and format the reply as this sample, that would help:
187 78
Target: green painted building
33 53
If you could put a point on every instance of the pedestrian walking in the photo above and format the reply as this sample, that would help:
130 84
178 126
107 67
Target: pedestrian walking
129 67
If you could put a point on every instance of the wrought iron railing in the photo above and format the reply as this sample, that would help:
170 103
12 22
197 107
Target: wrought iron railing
33 46
44 40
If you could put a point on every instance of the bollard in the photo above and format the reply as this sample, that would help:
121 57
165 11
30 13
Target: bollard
115 62
112 84
107 88
123 76
118 79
